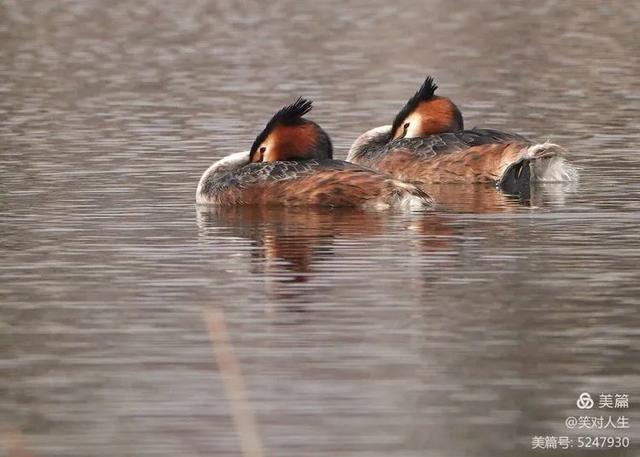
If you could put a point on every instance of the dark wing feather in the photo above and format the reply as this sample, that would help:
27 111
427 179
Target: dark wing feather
264 172
333 183
447 143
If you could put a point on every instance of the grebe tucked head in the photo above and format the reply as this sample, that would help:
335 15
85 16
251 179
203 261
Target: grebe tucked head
426 114
288 136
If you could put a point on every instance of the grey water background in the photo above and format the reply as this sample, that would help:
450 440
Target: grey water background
459 333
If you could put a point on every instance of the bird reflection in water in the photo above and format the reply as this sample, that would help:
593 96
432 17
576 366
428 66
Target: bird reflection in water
290 243
486 199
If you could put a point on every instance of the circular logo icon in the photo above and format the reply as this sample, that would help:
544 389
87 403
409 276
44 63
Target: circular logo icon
584 401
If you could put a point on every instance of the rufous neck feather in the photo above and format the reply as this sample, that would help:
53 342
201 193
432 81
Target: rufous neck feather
426 114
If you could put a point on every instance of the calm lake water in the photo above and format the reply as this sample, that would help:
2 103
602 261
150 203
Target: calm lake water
463 332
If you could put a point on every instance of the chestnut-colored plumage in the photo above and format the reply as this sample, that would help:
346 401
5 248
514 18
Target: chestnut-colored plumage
330 183
476 164
290 164
427 144
289 142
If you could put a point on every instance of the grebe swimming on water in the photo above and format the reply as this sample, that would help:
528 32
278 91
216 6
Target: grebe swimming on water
427 144
291 164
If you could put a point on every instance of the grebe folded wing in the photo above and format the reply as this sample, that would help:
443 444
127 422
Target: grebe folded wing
446 143
331 183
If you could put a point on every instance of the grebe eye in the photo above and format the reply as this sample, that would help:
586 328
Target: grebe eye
406 125
262 149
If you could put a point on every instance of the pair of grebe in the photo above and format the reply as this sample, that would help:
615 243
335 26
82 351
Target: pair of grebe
291 161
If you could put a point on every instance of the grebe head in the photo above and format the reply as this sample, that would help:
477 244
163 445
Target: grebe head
426 114
288 136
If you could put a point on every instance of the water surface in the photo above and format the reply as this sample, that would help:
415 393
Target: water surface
462 332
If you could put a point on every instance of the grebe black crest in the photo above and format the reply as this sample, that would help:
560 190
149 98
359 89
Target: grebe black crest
290 164
427 144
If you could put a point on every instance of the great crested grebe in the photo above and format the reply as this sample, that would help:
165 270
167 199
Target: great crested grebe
427 144
291 164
